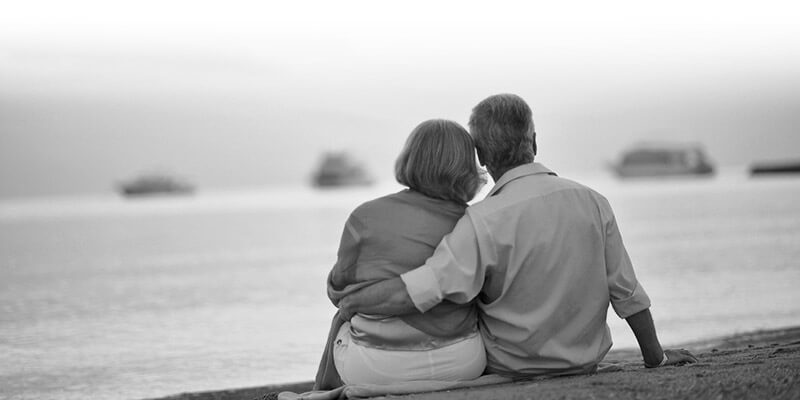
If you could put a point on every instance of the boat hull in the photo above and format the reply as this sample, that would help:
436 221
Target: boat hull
775 168
645 171
664 161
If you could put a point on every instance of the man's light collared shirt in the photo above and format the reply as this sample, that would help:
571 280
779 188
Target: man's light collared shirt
544 256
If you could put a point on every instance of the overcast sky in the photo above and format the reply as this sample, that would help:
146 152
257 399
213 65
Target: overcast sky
233 94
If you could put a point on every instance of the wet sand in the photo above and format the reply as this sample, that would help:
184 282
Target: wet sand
758 365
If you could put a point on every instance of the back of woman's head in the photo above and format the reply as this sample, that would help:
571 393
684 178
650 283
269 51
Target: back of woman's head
438 160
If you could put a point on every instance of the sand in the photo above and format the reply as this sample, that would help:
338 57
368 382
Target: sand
758 365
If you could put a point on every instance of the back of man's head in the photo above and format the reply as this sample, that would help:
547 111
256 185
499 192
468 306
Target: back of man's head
502 126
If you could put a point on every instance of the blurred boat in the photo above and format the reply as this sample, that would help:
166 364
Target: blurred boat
775 167
340 169
658 160
154 184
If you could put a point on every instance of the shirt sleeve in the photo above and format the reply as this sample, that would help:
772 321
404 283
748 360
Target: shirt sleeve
454 272
627 295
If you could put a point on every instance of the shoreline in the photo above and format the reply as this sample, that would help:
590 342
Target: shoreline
758 364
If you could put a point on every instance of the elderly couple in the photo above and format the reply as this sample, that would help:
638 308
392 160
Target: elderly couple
517 284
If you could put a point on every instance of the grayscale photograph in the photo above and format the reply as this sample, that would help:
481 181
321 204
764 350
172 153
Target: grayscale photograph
428 200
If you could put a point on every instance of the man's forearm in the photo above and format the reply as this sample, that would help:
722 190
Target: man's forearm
387 297
643 328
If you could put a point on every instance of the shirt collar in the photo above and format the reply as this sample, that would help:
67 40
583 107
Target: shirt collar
534 168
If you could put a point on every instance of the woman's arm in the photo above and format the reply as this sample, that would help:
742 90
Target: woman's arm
343 272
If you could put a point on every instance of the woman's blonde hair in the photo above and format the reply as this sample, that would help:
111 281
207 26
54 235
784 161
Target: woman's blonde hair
438 160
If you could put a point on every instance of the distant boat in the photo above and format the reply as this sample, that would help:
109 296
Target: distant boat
340 169
154 184
659 160
775 167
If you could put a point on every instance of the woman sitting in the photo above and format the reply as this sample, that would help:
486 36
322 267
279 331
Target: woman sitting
388 236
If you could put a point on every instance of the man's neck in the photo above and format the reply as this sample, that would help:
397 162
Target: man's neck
496 173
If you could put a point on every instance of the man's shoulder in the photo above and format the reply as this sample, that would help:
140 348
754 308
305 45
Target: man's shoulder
525 192
569 183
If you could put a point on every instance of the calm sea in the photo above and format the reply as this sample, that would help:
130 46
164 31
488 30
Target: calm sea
107 298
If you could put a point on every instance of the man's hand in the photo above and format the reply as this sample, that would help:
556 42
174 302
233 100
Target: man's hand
675 357
387 297
679 357
346 308
642 325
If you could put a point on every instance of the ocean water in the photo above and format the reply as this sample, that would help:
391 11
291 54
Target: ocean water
107 298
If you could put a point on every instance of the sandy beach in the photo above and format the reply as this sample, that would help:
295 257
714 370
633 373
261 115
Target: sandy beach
756 365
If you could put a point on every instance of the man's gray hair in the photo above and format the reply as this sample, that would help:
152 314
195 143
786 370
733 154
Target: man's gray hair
502 127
